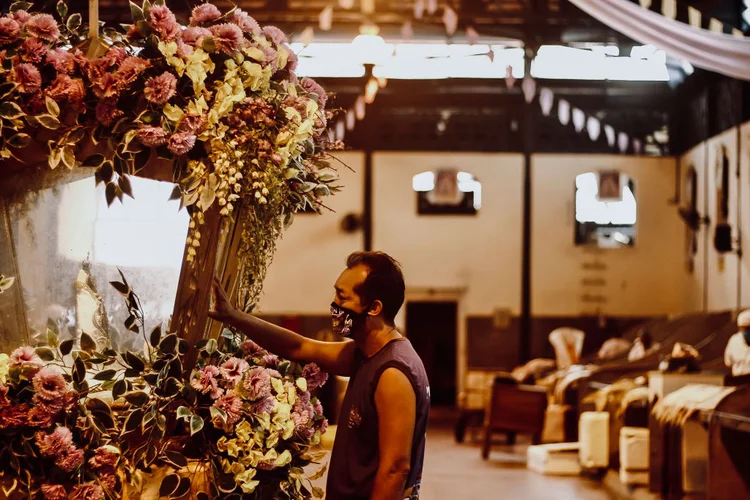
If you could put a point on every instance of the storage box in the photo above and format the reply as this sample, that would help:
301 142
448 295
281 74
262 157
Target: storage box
593 435
634 448
557 459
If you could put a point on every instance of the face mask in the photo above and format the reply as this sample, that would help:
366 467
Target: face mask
346 321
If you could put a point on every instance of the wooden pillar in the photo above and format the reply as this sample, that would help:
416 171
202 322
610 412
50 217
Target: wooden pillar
93 18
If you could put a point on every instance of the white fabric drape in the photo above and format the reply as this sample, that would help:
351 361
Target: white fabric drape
725 54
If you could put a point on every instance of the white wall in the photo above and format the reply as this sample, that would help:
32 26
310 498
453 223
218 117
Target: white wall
481 253
641 280
312 253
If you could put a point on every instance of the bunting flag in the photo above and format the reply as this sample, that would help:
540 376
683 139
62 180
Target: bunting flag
529 88
610 133
346 4
669 8
307 36
450 20
695 17
546 100
360 108
367 6
325 18
382 82
340 130
579 119
594 128
563 111
637 146
351 119
510 80
432 6
471 35
418 9
371 90
491 55
623 141
406 31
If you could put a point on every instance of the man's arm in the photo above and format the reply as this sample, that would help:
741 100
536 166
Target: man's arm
396 405
336 358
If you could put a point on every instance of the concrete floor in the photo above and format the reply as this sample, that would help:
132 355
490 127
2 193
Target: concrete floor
456 472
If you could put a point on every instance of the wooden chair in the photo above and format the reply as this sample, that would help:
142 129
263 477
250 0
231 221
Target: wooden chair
514 409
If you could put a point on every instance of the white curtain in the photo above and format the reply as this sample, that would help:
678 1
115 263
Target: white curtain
718 52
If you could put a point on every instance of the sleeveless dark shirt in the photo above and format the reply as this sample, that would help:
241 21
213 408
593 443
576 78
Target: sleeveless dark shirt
355 458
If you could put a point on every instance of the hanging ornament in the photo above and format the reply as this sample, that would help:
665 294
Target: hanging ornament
406 31
307 36
510 80
579 119
351 119
610 133
450 20
637 146
418 9
432 6
471 35
340 130
360 107
546 100
594 128
382 82
325 18
346 4
491 55
669 8
529 89
371 90
563 111
623 141
695 16
716 26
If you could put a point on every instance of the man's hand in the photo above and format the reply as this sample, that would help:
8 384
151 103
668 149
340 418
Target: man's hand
222 309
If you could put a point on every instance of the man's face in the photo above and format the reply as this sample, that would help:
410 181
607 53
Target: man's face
349 280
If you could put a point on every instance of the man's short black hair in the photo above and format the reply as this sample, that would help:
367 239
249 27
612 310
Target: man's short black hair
384 281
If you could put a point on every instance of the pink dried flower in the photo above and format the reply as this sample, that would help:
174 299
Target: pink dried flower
54 492
313 87
21 16
231 404
88 491
275 35
103 459
134 33
62 60
163 22
106 86
43 26
273 373
204 13
314 375
183 49
108 481
204 381
181 143
64 88
271 360
152 137
129 70
14 416
292 60
107 112
160 89
33 50
322 425
250 348
302 415
233 368
318 408
271 59
81 60
70 460
28 78
265 405
115 55
245 22
195 35
257 383
56 443
227 37
192 124
25 357
9 30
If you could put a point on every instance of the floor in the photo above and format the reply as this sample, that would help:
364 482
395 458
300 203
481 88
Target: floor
456 471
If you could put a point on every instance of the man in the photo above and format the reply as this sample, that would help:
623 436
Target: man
379 447
737 353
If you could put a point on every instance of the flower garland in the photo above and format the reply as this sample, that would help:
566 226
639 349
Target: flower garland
218 98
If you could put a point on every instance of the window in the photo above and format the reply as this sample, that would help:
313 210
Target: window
447 192
606 210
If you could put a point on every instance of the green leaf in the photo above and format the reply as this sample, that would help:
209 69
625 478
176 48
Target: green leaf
217 412
20 6
79 370
169 485
183 488
319 473
110 193
68 157
291 173
66 346
133 421
134 361
130 323
87 343
120 287
10 110
119 389
317 492
168 344
52 340
155 336
137 398
105 375
52 107
196 424
211 346
136 13
62 9
95 160
48 121
19 140
45 353
124 183
184 412
5 90
74 21
176 458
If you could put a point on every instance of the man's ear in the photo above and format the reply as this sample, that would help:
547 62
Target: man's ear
376 308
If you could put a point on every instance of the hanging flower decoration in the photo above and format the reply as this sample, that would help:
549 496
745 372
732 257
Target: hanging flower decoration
218 98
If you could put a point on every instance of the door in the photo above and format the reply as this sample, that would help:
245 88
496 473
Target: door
431 328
